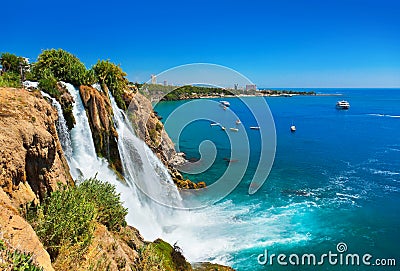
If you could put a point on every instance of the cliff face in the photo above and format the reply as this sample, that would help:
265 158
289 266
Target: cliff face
31 165
100 115
32 162
151 130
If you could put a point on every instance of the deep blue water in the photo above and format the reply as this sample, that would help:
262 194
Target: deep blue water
336 179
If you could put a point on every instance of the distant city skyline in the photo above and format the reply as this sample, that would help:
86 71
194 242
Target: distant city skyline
288 43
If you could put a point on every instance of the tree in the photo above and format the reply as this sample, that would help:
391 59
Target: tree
10 62
64 66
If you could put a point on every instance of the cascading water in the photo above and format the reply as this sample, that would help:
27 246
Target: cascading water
62 129
141 166
207 234
85 164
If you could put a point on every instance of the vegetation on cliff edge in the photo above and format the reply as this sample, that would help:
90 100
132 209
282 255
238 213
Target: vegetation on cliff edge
63 66
67 217
114 78
11 68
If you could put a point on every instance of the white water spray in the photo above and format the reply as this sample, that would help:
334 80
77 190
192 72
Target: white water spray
62 129
210 234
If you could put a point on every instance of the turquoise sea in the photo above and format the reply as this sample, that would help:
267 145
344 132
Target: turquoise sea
336 179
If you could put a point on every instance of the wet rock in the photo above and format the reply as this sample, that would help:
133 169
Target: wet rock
100 114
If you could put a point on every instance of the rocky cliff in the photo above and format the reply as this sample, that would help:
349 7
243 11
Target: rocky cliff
98 106
32 165
151 130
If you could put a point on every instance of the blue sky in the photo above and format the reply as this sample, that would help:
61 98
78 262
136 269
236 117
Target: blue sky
281 43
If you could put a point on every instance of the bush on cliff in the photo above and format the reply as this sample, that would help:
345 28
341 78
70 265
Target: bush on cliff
114 78
48 84
10 79
110 211
67 217
64 66
16 260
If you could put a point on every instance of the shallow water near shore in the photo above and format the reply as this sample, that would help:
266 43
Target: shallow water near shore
336 179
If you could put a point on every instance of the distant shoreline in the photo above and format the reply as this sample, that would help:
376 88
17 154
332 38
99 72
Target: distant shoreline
169 93
193 97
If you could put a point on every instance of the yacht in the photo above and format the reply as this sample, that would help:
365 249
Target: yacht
293 128
225 103
342 105
234 129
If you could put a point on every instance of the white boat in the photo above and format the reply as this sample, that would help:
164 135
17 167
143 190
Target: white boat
238 122
215 124
222 128
234 129
293 128
255 127
225 103
342 105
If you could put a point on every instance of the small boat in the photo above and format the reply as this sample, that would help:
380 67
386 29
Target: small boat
222 128
293 128
255 127
230 160
238 122
215 124
343 105
225 103
225 107
234 129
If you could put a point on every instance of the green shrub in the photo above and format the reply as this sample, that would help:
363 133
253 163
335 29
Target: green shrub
110 211
66 218
64 66
22 261
159 255
16 260
114 78
159 126
2 245
10 79
48 84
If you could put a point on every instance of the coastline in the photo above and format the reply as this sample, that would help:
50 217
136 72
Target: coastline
192 97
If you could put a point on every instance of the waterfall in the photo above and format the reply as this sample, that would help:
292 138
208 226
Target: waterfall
141 166
143 213
202 234
62 129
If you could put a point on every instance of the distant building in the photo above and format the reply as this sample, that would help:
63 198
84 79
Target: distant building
165 83
251 87
235 87
153 79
